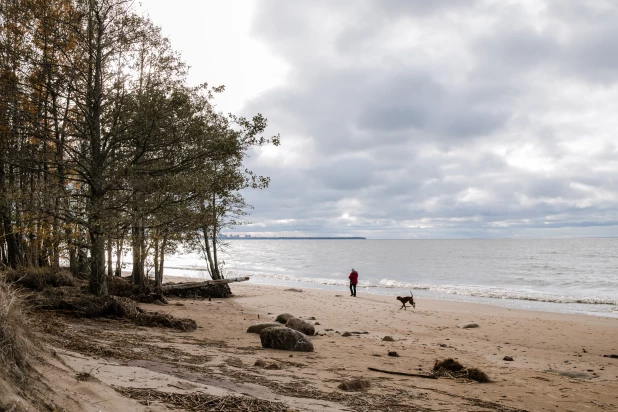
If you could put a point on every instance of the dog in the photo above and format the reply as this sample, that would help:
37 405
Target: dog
407 299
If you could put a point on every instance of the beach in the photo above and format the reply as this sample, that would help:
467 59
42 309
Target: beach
558 359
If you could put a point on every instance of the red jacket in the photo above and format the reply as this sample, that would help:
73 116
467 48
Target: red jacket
353 277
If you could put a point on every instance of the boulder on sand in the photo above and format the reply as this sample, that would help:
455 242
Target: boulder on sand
284 338
283 318
258 327
301 326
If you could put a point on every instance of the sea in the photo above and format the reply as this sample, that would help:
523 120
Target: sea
575 275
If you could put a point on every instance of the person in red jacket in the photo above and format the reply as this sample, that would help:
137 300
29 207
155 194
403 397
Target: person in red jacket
353 281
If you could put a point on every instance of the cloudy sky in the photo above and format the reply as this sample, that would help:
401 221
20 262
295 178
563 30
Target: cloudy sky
416 118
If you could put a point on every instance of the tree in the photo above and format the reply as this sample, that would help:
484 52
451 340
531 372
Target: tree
218 201
96 115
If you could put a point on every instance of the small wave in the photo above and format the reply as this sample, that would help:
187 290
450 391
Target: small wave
198 268
462 290
496 293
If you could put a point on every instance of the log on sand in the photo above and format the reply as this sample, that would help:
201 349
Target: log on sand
416 375
193 285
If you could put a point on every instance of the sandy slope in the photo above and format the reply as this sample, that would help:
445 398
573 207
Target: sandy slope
558 363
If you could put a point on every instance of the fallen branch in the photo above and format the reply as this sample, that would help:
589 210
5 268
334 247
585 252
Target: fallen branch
192 285
416 375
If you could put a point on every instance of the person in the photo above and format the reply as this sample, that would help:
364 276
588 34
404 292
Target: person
353 281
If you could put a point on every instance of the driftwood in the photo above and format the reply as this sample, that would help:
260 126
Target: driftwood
416 375
193 285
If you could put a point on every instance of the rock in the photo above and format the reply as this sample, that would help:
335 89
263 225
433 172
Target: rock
355 385
158 302
346 334
261 363
273 366
311 318
317 323
468 325
388 339
393 353
508 358
301 326
284 338
283 318
611 356
258 328
293 290
163 299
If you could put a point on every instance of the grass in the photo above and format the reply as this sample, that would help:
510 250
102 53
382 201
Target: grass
16 346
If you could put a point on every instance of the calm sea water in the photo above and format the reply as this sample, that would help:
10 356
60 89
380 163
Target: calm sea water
557 275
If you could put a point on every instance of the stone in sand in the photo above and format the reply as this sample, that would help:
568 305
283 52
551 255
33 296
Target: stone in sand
285 339
388 339
283 318
508 358
346 334
301 326
258 328
469 325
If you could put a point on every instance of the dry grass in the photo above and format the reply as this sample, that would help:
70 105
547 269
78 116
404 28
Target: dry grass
202 402
16 346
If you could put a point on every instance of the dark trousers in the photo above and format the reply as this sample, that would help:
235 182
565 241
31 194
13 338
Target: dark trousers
353 289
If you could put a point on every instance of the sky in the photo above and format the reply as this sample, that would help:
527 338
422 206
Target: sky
415 119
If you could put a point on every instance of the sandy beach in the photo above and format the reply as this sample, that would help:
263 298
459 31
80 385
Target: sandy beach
558 360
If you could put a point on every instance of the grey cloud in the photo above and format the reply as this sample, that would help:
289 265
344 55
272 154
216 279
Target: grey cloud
471 142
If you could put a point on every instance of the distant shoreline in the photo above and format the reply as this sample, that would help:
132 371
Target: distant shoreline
291 238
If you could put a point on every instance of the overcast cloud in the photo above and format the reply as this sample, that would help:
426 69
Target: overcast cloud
416 118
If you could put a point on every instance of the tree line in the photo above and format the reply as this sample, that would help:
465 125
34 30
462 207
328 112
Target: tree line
105 148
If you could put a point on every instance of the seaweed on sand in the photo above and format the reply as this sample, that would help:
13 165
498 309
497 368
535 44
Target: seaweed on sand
451 368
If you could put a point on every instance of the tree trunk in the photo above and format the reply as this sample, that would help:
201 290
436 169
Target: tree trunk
98 280
119 250
209 260
110 246
159 272
137 237
156 256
